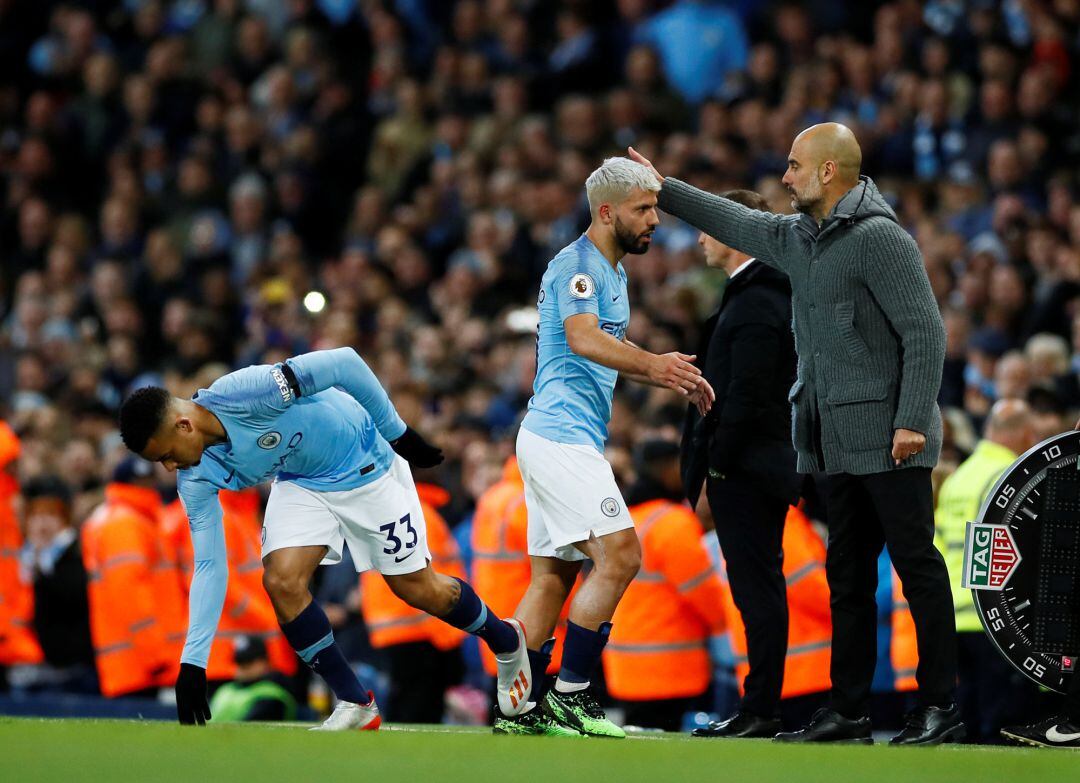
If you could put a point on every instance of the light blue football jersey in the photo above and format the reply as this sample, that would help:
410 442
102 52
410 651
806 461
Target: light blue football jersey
571 400
333 437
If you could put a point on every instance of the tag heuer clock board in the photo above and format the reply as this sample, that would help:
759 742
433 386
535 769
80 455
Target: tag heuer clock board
1022 562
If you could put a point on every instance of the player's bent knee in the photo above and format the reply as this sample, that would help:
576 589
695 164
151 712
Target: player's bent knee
423 590
552 585
626 566
284 587
621 556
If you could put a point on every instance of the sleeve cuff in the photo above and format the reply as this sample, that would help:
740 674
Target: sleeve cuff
395 430
914 424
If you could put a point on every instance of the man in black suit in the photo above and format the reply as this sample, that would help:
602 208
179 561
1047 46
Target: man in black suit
742 452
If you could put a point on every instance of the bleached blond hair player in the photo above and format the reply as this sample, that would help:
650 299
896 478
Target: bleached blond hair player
575 508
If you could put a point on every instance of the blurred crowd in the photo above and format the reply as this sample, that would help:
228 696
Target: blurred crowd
192 186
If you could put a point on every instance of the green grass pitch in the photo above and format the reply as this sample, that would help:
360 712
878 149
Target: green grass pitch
81 751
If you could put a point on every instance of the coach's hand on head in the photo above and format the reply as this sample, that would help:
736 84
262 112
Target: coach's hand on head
637 157
191 703
417 451
675 371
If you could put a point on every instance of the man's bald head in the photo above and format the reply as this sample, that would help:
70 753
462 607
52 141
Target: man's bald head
823 165
1011 424
831 141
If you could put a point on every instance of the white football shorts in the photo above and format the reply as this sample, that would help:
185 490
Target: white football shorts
570 495
382 522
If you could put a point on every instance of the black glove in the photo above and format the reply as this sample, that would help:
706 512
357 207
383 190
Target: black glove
191 703
416 450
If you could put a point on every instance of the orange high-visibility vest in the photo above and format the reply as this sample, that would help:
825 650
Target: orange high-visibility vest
392 621
501 569
658 648
247 609
131 595
18 643
904 651
806 668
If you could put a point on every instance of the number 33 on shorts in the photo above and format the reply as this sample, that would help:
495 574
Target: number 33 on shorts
394 542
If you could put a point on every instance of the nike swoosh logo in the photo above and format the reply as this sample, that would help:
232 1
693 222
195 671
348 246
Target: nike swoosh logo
406 557
616 298
1054 735
230 476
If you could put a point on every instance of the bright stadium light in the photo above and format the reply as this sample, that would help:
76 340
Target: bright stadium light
314 302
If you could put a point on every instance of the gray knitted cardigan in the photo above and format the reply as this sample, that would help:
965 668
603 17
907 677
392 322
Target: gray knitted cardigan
869 335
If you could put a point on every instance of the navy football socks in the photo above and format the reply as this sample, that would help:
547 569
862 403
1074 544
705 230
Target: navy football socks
471 615
539 660
313 639
580 656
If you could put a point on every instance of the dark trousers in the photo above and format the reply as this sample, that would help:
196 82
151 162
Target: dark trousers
750 528
895 509
420 673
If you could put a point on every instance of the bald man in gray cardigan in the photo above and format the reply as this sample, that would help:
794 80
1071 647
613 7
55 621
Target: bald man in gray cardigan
871 345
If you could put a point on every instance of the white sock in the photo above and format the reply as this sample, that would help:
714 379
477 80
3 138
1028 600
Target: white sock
562 686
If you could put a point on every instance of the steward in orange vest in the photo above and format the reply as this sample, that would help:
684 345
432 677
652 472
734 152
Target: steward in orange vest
806 667
500 566
247 610
132 594
18 645
657 658
903 651
423 654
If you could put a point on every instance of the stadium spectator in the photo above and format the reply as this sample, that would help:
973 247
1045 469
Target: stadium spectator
52 557
700 43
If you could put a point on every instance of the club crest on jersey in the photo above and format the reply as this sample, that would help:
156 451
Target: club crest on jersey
269 440
610 507
581 286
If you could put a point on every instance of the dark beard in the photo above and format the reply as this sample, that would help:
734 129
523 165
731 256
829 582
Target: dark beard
628 241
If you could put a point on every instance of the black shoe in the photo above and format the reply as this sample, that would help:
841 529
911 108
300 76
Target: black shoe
741 724
830 726
1054 732
932 726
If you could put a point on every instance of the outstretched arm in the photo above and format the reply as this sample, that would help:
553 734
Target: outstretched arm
703 397
671 370
210 578
759 234
343 368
